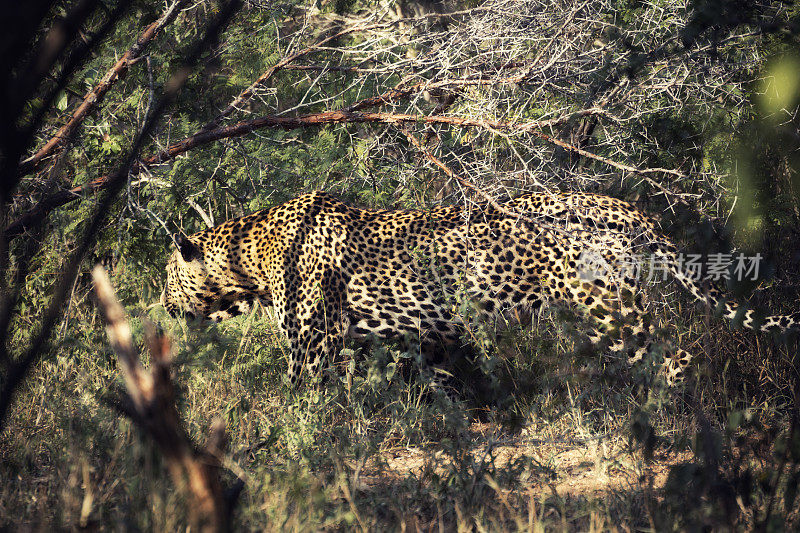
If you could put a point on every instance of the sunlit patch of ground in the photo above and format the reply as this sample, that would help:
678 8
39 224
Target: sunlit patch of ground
587 467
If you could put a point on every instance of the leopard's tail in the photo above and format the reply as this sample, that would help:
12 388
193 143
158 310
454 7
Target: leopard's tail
667 254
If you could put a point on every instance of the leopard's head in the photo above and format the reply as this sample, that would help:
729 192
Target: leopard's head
196 288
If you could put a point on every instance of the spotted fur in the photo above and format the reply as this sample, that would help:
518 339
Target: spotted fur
333 271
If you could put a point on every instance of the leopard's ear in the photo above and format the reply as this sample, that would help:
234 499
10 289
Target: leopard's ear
189 250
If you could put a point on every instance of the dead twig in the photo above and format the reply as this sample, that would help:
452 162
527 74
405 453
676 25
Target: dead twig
151 397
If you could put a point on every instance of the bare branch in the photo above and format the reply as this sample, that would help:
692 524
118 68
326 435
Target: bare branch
314 119
464 183
95 96
138 382
284 62
194 471
572 65
18 370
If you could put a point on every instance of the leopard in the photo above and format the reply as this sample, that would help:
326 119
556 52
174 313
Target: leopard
332 271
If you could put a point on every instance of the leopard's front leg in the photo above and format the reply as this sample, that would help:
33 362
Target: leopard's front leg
312 319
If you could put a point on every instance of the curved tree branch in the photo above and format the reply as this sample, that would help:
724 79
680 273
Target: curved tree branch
95 96
323 119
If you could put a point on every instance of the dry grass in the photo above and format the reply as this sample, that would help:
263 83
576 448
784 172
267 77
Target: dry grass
571 447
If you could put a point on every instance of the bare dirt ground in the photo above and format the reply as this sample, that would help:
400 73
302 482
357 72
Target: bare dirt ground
588 467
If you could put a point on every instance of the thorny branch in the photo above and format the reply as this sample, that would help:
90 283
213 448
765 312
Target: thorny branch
520 66
316 120
248 93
